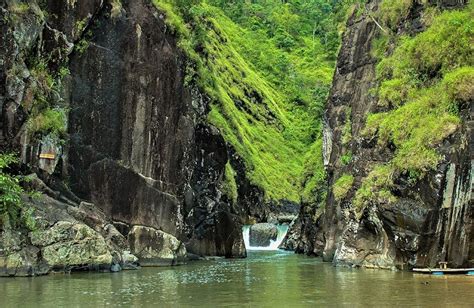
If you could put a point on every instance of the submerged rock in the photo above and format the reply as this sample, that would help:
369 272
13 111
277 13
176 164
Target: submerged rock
262 234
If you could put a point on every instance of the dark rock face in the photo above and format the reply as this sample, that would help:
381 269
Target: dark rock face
261 234
214 225
429 223
139 147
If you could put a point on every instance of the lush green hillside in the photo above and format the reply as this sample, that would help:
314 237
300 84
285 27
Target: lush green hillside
267 67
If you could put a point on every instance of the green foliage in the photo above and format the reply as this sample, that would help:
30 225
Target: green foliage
82 46
446 45
342 186
314 176
380 45
116 9
45 113
391 12
346 158
267 70
347 129
53 121
376 188
12 210
424 82
19 8
229 186
80 25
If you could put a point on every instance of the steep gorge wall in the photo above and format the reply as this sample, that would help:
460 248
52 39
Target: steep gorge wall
138 145
432 220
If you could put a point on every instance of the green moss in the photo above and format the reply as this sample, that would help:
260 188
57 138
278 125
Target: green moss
82 46
80 25
380 45
314 176
346 158
342 186
347 128
446 45
392 12
229 186
424 83
19 8
375 188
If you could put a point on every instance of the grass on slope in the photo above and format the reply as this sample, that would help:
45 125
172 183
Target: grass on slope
258 114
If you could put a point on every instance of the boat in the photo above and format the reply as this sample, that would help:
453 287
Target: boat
442 271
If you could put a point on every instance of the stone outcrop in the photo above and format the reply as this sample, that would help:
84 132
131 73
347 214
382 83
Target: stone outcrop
261 235
62 242
156 248
432 220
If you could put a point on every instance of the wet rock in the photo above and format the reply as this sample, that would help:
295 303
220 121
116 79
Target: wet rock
261 234
68 245
291 240
129 261
115 268
156 248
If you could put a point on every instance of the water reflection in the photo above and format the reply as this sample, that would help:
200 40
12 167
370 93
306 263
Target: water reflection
263 279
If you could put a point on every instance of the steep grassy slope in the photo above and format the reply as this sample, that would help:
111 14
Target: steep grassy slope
267 78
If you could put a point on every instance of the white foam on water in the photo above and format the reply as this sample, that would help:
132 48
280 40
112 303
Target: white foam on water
282 230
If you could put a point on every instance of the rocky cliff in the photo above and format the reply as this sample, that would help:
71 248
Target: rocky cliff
93 96
414 221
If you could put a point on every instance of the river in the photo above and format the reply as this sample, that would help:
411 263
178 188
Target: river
265 278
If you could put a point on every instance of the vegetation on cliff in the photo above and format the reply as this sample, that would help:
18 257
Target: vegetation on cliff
12 210
424 82
267 67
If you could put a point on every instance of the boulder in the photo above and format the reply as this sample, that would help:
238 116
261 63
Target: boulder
71 246
261 234
156 248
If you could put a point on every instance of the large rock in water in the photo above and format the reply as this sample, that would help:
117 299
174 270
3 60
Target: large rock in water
156 248
65 238
261 234
68 245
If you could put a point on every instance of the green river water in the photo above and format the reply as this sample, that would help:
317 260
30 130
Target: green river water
264 279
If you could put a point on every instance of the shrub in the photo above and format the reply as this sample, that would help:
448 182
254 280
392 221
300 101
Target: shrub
12 209
392 12
376 188
342 186
50 120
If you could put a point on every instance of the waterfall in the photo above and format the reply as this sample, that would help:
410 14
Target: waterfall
282 230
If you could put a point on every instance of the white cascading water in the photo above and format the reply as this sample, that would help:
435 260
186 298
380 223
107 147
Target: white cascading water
282 230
